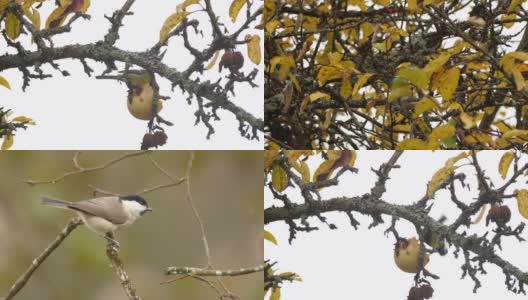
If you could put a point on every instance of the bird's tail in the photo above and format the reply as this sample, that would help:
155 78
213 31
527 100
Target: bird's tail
55 202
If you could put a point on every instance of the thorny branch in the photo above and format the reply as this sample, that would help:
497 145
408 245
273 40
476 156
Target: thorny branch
210 96
477 250
117 264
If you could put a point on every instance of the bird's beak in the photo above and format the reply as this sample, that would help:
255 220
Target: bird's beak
148 209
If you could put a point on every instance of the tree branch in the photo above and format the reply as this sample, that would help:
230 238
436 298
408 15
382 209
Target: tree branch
117 265
211 272
24 278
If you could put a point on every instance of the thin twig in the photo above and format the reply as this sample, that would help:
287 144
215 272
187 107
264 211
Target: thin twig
195 211
211 272
81 170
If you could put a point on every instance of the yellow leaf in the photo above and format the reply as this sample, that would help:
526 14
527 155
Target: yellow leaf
516 55
303 169
285 62
467 120
213 61
335 58
397 93
437 63
415 75
3 5
383 46
361 82
413 144
323 168
291 275
8 142
56 18
448 82
279 178
33 15
270 237
4 82
508 17
319 95
442 132
505 163
346 87
514 4
382 2
336 159
425 104
275 294
171 22
295 82
412 6
12 26
271 26
515 133
518 78
353 158
269 11
85 7
23 119
522 202
327 73
294 155
453 160
443 173
270 155
235 7
253 48
367 29
438 178
481 214
185 4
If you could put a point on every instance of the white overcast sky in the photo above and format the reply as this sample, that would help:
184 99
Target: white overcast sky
78 112
348 264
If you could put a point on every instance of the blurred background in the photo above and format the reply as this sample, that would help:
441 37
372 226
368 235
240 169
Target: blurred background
227 191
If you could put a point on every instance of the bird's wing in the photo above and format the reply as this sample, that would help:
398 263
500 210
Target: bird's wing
101 206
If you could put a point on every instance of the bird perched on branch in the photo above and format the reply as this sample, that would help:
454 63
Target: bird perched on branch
106 214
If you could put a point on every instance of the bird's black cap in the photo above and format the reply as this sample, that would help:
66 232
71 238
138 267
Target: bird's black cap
136 198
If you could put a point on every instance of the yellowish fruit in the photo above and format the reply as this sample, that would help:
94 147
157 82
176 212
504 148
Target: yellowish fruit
406 255
140 102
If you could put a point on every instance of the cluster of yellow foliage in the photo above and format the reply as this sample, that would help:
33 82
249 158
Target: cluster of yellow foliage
440 103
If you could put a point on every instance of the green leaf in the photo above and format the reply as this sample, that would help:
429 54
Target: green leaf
400 92
415 75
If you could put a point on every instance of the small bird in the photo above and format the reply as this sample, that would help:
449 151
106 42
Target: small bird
104 215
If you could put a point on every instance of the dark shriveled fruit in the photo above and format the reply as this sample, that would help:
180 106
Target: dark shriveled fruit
498 214
233 60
